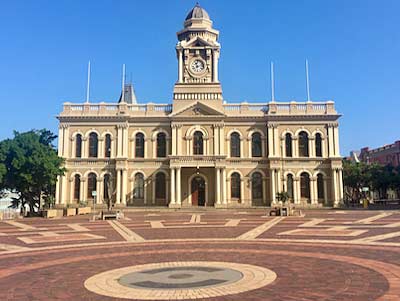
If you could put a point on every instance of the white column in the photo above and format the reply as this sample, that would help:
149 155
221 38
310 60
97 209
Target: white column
276 141
119 141
66 142
340 197
273 192
124 186
221 140
172 184
336 140
331 150
125 140
178 186
118 200
82 190
278 181
179 140
58 190
215 66
228 192
271 152
263 147
216 139
153 190
325 192
334 187
314 190
311 142
145 191
167 188
180 66
224 186
63 189
264 190
242 190
324 144
173 140
218 186
60 140
295 147
98 191
296 192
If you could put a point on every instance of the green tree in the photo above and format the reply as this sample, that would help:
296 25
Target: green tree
356 175
381 178
29 165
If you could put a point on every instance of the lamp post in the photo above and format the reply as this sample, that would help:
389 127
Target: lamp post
94 193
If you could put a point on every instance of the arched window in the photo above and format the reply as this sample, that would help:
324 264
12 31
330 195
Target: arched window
78 146
305 185
235 145
303 144
138 192
320 187
318 145
288 145
161 145
91 186
77 187
139 145
198 143
256 186
93 145
160 186
107 187
235 185
107 146
290 189
256 145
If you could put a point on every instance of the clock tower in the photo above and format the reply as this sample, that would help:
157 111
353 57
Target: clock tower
198 54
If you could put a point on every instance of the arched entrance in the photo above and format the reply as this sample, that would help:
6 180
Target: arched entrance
198 191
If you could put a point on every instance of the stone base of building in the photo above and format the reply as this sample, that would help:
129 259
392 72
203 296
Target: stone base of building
175 206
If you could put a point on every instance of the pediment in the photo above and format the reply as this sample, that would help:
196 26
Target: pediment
198 42
198 109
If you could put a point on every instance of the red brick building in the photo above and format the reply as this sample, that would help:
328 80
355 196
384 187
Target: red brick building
387 154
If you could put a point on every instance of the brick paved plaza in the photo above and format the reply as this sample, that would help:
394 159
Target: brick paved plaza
212 255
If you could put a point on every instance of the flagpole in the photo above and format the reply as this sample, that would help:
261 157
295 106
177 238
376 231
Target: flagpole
123 83
88 84
308 82
272 83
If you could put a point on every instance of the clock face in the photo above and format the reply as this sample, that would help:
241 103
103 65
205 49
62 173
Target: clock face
197 66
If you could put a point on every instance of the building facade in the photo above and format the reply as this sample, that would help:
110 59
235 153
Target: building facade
386 155
199 150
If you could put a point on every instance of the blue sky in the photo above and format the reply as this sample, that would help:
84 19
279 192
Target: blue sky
353 48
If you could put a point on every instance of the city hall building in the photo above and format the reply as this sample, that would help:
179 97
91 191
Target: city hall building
199 150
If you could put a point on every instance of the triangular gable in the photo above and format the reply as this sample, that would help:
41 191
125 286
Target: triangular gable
197 109
198 41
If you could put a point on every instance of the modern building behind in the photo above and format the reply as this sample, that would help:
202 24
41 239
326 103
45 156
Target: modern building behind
199 150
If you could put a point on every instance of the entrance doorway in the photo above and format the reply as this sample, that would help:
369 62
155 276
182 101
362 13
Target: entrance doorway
198 186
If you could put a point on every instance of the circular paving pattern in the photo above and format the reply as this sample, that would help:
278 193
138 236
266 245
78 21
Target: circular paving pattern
180 280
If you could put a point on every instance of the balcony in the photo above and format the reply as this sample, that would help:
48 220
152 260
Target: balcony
197 160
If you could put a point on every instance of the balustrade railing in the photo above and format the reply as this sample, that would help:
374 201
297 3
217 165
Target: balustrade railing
272 108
